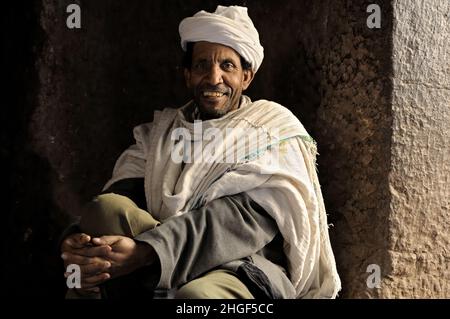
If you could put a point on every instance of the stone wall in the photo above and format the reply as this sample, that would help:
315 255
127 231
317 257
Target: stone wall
419 178
353 126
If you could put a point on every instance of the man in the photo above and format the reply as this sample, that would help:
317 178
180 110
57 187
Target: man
191 208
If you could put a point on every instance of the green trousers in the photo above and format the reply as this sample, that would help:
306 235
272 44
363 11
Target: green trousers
112 214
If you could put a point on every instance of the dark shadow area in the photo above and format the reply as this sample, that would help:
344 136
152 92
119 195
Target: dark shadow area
31 265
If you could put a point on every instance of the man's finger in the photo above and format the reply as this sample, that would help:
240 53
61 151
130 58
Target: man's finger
70 258
92 281
78 240
82 239
94 269
94 251
106 240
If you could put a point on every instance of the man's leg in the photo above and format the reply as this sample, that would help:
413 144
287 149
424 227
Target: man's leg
113 214
217 284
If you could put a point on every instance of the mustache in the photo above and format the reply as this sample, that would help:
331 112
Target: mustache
214 88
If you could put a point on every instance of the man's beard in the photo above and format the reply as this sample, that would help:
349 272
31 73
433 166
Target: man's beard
210 113
207 113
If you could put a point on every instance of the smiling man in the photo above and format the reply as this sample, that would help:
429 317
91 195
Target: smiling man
254 227
217 75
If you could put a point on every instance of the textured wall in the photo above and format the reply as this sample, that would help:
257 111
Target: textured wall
353 127
420 173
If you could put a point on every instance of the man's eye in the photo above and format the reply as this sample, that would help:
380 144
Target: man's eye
228 66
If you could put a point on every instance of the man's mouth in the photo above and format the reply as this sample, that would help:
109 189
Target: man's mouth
212 94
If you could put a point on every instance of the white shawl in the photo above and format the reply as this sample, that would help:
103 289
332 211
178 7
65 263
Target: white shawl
288 190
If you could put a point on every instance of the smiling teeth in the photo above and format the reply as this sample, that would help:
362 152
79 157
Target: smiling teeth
212 94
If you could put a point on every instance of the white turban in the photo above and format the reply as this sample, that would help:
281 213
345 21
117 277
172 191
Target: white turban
230 26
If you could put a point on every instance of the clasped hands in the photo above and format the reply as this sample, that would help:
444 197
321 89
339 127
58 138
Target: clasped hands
103 258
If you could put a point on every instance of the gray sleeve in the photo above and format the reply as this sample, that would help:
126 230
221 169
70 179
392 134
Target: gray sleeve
226 229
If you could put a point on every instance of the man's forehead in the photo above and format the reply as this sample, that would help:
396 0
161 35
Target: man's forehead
206 50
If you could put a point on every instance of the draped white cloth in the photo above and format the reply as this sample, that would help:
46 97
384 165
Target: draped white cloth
282 179
230 26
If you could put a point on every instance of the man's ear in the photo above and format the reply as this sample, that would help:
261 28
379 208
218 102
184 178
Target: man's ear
248 77
187 77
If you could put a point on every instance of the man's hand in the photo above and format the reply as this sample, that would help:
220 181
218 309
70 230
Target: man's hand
78 249
126 255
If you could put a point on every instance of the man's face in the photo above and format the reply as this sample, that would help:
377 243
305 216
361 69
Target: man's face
216 79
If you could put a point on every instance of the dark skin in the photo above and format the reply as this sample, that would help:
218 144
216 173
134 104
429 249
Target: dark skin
217 80
103 258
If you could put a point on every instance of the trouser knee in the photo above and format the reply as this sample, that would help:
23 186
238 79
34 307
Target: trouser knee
217 284
113 214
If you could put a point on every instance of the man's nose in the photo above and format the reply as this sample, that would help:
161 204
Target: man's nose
214 75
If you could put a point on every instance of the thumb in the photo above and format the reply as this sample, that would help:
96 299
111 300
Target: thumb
105 240
83 238
78 240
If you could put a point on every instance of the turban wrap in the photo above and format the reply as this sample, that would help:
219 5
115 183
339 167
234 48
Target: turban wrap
230 26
